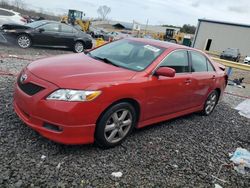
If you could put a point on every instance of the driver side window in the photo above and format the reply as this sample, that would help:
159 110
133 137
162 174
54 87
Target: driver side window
52 27
177 60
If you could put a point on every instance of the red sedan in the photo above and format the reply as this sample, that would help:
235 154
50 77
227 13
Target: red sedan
102 95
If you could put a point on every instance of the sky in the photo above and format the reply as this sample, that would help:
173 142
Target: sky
158 12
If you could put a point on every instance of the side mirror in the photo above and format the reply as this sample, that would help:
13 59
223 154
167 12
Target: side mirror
41 30
165 71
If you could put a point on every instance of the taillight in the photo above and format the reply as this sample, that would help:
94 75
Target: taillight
23 20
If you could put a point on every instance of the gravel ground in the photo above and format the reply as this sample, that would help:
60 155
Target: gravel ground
185 152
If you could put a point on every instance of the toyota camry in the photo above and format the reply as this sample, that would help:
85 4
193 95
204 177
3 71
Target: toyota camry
102 95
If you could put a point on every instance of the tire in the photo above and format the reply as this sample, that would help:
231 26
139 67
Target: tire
92 34
24 41
115 124
78 47
210 103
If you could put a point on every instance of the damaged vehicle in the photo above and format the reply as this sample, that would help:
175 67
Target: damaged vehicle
10 16
101 96
48 34
231 54
247 60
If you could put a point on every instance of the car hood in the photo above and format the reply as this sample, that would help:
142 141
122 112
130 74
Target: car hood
247 58
77 71
14 26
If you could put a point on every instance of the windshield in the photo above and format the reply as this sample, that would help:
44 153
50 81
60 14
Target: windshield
128 54
36 24
231 51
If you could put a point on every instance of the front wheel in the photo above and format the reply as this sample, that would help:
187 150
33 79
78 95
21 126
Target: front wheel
24 41
210 103
115 125
78 47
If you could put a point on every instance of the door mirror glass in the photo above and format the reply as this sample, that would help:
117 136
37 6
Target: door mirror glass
165 71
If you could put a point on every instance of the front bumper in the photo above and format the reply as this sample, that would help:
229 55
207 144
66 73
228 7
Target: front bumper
88 44
75 121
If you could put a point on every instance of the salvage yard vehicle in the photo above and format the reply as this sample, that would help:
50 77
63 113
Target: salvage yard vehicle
102 95
247 60
231 54
75 18
10 16
48 33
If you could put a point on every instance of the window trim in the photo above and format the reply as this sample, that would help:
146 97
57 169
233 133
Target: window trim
176 50
209 62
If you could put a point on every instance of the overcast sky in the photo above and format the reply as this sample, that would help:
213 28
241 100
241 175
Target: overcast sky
176 12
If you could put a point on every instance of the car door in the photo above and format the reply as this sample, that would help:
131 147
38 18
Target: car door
47 35
67 35
169 95
203 77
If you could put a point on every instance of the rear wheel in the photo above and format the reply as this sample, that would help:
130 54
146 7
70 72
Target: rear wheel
115 125
24 41
210 103
78 47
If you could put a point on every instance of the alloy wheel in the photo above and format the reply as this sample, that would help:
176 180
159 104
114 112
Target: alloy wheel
79 47
211 103
118 126
24 41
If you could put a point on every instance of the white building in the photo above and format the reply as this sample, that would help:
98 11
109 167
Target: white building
217 36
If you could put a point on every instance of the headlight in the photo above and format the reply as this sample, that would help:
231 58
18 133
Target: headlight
73 95
9 31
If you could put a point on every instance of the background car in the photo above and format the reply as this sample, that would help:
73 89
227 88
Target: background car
247 60
112 89
9 16
232 54
48 33
98 33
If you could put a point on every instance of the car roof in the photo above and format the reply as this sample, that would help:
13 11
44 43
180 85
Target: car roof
163 44
51 21
8 10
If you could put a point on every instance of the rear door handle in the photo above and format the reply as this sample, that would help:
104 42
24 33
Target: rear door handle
213 78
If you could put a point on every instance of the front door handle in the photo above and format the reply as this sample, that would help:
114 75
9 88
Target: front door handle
213 78
188 81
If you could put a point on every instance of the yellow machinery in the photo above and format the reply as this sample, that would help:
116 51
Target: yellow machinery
171 35
75 17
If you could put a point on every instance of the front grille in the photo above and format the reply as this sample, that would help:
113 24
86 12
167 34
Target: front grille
29 88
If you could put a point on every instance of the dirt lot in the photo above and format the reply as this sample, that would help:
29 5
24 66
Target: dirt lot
185 152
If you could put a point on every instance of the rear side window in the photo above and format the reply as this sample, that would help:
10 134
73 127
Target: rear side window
199 62
6 13
66 29
51 27
177 60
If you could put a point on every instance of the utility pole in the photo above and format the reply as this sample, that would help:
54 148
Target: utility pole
146 27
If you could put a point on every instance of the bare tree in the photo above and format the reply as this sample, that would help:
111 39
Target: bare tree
103 11
18 4
3 3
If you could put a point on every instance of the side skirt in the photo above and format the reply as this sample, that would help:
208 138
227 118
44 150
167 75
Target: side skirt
168 117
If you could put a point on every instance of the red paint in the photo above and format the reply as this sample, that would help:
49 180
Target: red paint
160 98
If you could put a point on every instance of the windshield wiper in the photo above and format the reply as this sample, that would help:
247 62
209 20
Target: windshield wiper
104 59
